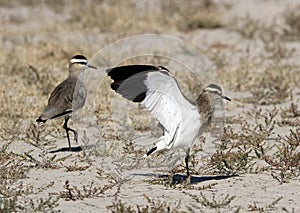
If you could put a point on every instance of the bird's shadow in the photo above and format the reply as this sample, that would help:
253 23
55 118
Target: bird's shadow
67 149
175 179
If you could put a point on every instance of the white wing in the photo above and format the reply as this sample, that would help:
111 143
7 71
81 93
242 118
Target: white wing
158 91
165 102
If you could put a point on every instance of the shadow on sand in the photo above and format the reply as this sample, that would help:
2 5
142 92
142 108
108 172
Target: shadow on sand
178 179
67 149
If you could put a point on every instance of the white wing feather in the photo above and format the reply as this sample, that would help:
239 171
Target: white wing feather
165 102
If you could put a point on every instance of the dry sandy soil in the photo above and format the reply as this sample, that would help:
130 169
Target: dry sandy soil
250 163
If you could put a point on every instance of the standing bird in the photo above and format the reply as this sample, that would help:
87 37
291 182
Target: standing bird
156 88
68 96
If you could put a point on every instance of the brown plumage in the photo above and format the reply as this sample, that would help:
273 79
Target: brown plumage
68 96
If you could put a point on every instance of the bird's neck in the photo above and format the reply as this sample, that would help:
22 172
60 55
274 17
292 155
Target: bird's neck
205 107
76 74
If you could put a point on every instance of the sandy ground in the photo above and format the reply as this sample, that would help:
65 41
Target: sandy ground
121 179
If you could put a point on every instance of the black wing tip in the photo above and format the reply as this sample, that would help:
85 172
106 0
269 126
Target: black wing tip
115 85
132 69
151 151
135 66
126 71
121 73
39 120
140 97
108 71
145 67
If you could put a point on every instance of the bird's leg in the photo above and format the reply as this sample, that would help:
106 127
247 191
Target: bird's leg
75 134
187 163
69 129
65 126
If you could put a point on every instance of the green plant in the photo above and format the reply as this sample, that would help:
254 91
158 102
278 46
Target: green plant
87 191
211 203
48 204
154 205
286 159
270 207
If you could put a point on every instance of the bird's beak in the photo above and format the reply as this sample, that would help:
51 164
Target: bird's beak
226 98
91 66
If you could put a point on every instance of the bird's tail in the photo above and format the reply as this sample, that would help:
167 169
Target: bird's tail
41 120
160 145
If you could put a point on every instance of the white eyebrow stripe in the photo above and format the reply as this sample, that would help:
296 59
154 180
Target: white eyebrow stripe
212 89
75 60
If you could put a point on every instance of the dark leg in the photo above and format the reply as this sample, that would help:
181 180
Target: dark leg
65 126
187 163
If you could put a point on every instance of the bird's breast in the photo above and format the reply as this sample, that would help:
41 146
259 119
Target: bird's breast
188 130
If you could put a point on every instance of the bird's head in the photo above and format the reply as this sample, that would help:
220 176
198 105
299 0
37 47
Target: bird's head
78 63
215 92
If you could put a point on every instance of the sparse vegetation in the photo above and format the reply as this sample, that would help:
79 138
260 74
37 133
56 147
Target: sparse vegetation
88 191
154 205
286 159
292 17
170 15
253 207
255 61
211 203
247 26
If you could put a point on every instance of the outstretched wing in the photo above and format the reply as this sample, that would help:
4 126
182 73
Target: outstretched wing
157 90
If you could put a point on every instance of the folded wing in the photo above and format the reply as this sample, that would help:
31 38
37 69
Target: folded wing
67 97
